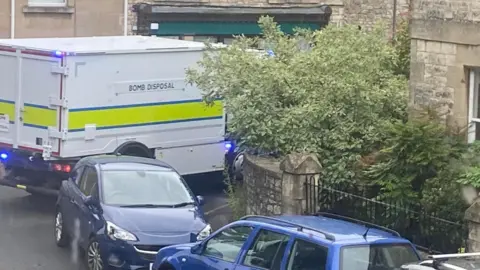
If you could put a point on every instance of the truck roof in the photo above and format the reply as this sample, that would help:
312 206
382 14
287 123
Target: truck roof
87 45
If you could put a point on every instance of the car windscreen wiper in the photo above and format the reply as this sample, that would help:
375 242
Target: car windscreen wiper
146 206
183 204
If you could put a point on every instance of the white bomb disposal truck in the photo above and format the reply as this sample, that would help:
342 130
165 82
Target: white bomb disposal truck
62 99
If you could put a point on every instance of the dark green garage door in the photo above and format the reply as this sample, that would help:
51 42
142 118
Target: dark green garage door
223 28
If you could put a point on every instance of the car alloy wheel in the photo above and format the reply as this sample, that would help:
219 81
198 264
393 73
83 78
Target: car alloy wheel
60 235
94 260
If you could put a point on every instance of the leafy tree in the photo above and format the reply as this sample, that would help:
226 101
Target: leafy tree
326 92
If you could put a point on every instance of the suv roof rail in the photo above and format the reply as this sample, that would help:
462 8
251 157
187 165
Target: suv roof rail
300 227
453 256
361 222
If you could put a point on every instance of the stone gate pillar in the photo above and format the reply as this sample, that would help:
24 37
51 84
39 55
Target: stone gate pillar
297 170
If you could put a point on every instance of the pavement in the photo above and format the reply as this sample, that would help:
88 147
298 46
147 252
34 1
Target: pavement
27 224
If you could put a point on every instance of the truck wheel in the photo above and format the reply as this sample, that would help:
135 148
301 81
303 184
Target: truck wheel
61 237
134 149
238 167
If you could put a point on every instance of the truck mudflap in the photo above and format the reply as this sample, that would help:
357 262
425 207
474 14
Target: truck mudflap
30 189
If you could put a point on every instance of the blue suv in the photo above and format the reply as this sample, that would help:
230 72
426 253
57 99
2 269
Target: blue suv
322 242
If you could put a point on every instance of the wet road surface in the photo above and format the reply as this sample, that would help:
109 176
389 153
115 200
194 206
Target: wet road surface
27 223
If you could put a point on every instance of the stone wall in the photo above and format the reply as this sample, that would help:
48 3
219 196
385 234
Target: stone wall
472 216
367 13
275 187
262 186
445 39
432 60
456 11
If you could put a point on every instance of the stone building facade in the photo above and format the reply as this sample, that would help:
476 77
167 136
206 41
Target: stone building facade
60 18
190 19
445 59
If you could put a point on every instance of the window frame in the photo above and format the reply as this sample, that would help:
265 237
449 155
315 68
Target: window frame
46 3
79 171
254 241
83 178
292 246
240 254
473 104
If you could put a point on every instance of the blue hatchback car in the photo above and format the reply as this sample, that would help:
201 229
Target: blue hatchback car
121 210
322 242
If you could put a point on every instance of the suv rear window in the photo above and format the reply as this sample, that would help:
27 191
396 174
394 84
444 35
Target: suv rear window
377 256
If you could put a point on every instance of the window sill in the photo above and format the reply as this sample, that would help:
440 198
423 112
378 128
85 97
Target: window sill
48 9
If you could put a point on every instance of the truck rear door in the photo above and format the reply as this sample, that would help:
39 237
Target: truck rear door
7 97
36 118
40 101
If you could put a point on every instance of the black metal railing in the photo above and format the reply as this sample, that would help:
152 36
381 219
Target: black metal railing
427 231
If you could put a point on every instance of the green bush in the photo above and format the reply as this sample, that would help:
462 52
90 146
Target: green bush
419 164
471 166
442 196
236 196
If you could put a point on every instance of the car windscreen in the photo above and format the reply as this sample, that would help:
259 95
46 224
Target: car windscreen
140 187
377 256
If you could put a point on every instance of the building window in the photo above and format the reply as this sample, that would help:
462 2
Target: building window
47 3
474 105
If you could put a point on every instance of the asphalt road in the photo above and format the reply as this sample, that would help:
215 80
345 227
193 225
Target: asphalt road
26 229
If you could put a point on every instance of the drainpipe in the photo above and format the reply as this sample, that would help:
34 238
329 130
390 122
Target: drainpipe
125 17
394 20
12 19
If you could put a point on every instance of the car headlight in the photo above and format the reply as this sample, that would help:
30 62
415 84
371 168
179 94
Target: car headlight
204 233
117 233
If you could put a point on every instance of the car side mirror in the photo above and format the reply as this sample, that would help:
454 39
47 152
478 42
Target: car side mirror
93 202
201 200
196 249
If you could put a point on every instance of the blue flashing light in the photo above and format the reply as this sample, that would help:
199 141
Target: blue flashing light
59 53
228 146
3 156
